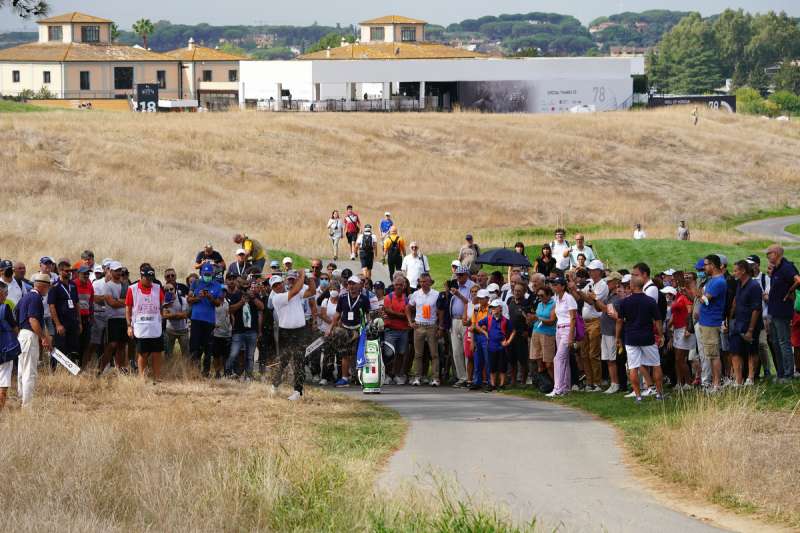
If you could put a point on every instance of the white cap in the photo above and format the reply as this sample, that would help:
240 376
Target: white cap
241 251
493 287
669 290
387 214
496 303
354 279
670 272
274 280
115 265
596 264
626 278
483 293
107 261
456 263
287 260
98 269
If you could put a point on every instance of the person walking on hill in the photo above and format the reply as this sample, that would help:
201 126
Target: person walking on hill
394 250
469 253
414 265
367 249
638 233
144 303
683 231
335 232
386 224
32 332
352 227
255 255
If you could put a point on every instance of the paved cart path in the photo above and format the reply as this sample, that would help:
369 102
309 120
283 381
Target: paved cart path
530 457
380 272
772 228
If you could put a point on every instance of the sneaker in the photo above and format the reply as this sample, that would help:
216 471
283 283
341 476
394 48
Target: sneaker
475 386
415 382
460 383
696 382
341 382
296 395
593 388
529 381
796 375
552 394
576 388
613 389
659 397
273 390
713 390
425 381
687 387
434 383
400 380
315 379
322 382
387 380
748 382
352 257
631 394
649 392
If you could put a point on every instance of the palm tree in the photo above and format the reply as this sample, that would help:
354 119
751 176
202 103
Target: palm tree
143 28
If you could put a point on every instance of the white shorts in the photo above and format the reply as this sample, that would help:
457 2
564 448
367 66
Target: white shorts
5 374
681 342
608 348
642 356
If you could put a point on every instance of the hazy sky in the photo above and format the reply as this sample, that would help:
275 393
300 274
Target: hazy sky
346 12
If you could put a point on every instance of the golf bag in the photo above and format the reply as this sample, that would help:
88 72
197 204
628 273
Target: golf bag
371 371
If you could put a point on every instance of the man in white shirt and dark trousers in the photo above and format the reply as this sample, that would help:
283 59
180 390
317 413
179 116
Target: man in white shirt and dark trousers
292 337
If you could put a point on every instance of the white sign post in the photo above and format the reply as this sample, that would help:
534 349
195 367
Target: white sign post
65 361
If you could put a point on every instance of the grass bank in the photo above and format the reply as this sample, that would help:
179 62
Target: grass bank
10 106
794 229
737 449
119 454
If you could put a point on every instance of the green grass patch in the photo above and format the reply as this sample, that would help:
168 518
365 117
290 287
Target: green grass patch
794 229
298 261
10 106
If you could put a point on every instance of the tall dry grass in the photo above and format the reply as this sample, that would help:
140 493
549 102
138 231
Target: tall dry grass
735 452
141 187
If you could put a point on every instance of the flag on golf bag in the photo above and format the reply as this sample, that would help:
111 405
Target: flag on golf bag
361 353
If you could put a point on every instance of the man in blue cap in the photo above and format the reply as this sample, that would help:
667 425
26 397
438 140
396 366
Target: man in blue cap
205 295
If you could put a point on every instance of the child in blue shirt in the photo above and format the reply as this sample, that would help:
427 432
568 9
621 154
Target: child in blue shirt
495 327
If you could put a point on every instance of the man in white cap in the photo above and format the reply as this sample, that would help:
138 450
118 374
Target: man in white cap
454 266
117 327
367 249
30 312
386 225
414 264
494 294
287 264
239 266
590 351
99 313
460 291
352 308
292 329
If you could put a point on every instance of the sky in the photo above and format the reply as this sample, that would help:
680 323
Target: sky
326 12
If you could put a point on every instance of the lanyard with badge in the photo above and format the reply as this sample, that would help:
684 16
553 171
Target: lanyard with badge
350 315
70 303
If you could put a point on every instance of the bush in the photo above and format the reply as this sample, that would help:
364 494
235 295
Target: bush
786 101
750 102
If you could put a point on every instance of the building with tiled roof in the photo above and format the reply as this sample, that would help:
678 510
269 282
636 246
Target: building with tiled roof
394 51
209 75
75 17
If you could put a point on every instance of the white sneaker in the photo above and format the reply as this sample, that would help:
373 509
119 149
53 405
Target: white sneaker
649 392
387 380
415 382
748 382
529 381
323 382
593 388
295 396
435 383
614 388
352 257
576 388
272 390
631 394
551 394
400 380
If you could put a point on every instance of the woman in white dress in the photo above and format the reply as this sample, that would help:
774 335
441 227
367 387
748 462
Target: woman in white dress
335 232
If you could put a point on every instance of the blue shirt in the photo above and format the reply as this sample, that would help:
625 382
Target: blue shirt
543 311
456 305
748 299
60 296
30 306
204 310
640 312
781 280
496 335
386 225
711 315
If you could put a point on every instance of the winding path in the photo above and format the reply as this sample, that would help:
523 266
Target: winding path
532 458
772 228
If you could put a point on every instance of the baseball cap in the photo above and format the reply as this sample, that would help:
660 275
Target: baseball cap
83 269
670 272
493 287
483 293
207 268
700 264
98 269
387 214
287 260
367 230
353 279
115 265
596 264
274 280
626 278
274 263
107 261
456 263
5 264
334 294
46 260
496 303
41 278
241 251
468 237
754 259
209 245
292 274
669 290
613 276
558 281
378 285
462 270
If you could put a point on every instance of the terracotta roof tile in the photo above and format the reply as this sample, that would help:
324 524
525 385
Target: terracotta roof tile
394 51
58 52
75 16
202 53
393 19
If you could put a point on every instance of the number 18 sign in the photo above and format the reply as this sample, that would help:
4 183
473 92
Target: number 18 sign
147 97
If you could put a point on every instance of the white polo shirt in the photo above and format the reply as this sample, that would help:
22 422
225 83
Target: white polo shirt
290 313
600 290
562 263
563 306
425 306
414 267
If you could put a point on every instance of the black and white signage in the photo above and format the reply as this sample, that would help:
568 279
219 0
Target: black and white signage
716 102
147 97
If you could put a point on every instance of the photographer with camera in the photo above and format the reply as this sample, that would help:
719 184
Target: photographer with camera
205 294
245 306
208 255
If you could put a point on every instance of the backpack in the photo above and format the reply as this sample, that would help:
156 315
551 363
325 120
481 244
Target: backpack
543 382
662 301
9 344
394 250
367 246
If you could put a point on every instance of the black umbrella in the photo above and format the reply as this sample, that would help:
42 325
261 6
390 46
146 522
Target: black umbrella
503 257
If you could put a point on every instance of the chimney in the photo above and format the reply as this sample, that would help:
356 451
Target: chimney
191 43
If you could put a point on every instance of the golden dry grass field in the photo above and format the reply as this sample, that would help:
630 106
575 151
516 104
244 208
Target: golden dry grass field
139 187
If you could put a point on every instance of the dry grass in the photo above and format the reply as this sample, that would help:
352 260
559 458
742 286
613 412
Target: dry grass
736 453
156 187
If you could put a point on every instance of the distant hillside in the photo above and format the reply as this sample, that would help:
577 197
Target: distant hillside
14 38
640 30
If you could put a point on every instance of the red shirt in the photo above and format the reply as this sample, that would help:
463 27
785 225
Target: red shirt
85 297
680 312
145 290
351 222
398 305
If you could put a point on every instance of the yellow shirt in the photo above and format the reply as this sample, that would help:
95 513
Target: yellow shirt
254 249
401 244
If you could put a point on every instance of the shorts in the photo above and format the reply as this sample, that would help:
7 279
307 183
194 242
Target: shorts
543 347
608 348
99 326
796 330
724 344
709 337
518 350
150 345
642 356
352 237
117 330
498 361
681 342
5 374
367 261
